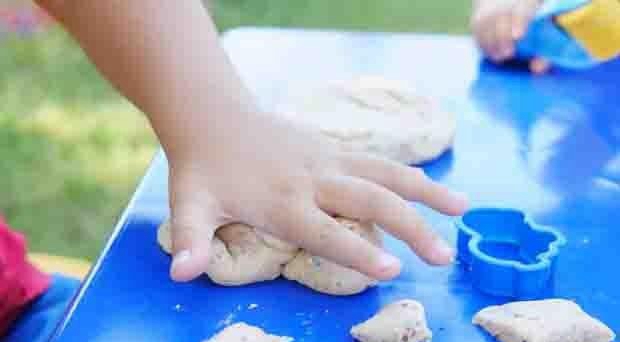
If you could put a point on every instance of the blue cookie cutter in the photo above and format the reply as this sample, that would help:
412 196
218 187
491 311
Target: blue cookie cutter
506 253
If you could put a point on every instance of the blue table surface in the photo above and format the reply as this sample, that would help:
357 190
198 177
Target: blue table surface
549 145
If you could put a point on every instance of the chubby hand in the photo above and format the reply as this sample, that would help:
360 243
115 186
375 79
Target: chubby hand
498 24
270 173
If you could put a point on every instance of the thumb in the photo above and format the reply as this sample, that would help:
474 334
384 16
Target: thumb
192 225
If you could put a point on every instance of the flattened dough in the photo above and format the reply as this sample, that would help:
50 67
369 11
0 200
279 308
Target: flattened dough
550 320
240 255
376 115
401 321
328 277
241 332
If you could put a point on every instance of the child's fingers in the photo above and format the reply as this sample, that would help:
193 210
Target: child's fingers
522 14
539 66
503 37
484 36
193 221
358 198
191 239
487 35
519 27
409 182
322 235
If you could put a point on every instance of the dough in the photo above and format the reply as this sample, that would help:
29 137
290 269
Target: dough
240 255
550 320
163 237
327 277
241 332
376 115
401 321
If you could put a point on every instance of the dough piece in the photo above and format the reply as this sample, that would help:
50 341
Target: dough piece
240 255
379 116
241 332
401 321
163 237
328 277
550 320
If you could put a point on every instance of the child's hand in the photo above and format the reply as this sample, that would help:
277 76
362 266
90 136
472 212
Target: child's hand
498 24
268 173
228 163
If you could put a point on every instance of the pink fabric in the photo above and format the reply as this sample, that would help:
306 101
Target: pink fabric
20 281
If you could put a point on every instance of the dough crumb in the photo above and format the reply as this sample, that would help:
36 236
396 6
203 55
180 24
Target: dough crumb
242 332
400 321
549 320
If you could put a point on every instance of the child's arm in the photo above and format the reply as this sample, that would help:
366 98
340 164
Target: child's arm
498 24
229 161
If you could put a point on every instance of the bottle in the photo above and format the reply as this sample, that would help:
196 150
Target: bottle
574 34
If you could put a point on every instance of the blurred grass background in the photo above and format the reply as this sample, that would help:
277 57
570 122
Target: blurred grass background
72 150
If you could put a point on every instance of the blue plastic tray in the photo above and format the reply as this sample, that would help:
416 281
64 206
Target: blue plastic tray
547 145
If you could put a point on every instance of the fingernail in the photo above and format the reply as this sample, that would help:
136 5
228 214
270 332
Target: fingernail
463 200
461 196
444 252
181 258
388 265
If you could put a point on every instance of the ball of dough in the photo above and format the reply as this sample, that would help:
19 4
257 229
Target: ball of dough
328 277
401 321
241 332
240 255
376 115
549 320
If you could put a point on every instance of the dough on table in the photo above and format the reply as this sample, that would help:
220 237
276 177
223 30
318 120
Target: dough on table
241 332
240 255
400 321
549 320
243 255
376 115
164 238
327 277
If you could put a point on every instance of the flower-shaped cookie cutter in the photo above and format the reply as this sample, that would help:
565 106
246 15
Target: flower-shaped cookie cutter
507 253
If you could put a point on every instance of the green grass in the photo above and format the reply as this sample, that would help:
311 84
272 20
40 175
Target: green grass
72 150
382 15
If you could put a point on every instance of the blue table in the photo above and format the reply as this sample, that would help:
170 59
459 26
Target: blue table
548 145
